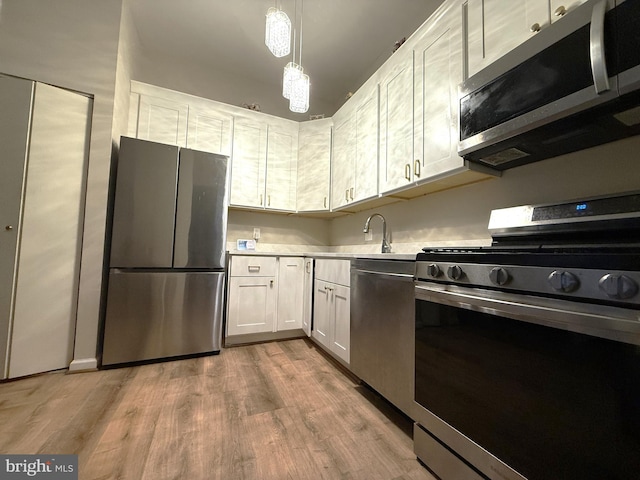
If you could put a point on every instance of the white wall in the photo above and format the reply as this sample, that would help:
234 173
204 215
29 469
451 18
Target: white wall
73 44
278 232
128 54
460 216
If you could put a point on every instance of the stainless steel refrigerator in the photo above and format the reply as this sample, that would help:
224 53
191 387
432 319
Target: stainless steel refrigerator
165 293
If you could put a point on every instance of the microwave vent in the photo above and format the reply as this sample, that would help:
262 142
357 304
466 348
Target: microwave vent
629 117
504 156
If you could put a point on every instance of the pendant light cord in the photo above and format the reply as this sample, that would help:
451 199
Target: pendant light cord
295 17
301 15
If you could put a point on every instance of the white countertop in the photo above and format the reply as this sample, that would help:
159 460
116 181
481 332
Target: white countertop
343 255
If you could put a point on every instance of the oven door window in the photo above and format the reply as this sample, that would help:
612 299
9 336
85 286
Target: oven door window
551 404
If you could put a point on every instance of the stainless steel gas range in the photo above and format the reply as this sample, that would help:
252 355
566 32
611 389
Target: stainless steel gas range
527 352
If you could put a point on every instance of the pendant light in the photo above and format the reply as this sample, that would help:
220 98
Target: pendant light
299 101
299 95
291 72
277 35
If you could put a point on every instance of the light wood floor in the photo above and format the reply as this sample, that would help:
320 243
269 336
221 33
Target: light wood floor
270 411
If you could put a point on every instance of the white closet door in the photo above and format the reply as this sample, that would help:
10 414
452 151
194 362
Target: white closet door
15 115
49 256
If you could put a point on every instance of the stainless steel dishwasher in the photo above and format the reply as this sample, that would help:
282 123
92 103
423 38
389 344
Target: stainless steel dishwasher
382 328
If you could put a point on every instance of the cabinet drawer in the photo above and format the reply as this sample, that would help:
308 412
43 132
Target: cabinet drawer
334 271
251 266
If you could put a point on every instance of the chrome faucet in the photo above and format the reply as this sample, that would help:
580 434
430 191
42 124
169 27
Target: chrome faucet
386 248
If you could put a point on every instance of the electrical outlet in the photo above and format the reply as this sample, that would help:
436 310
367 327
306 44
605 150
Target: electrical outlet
256 233
368 236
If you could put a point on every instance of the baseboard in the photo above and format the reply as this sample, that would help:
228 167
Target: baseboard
83 365
248 338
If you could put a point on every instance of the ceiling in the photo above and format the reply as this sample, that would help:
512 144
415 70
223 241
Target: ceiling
344 41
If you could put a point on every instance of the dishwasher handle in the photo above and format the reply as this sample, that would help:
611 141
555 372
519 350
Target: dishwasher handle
396 276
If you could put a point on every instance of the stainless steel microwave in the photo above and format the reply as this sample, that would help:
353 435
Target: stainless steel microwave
574 85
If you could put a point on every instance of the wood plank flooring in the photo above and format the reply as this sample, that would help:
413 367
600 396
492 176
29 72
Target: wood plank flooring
278 410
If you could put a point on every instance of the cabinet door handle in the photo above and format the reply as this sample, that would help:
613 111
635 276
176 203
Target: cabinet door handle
535 28
346 195
271 283
308 267
8 228
560 11
407 172
261 199
416 168
325 202
351 193
254 268
268 200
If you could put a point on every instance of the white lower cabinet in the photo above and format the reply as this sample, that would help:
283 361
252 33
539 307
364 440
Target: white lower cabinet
265 295
290 306
331 307
252 295
252 302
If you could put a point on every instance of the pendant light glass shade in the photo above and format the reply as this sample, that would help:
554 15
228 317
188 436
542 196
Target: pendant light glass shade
299 100
277 36
291 73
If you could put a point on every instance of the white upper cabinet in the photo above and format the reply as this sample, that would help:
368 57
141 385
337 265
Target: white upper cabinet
559 8
497 26
314 161
248 165
178 119
264 161
209 130
438 67
343 157
366 174
281 168
397 164
162 120
354 161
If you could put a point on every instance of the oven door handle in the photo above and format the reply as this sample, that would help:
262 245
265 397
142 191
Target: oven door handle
614 323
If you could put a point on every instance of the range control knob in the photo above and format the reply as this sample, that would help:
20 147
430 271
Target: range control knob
499 276
454 272
563 281
433 270
618 286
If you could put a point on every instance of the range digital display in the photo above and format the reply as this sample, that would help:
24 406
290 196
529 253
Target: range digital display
595 207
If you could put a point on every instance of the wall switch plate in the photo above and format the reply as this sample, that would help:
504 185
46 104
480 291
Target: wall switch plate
256 233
